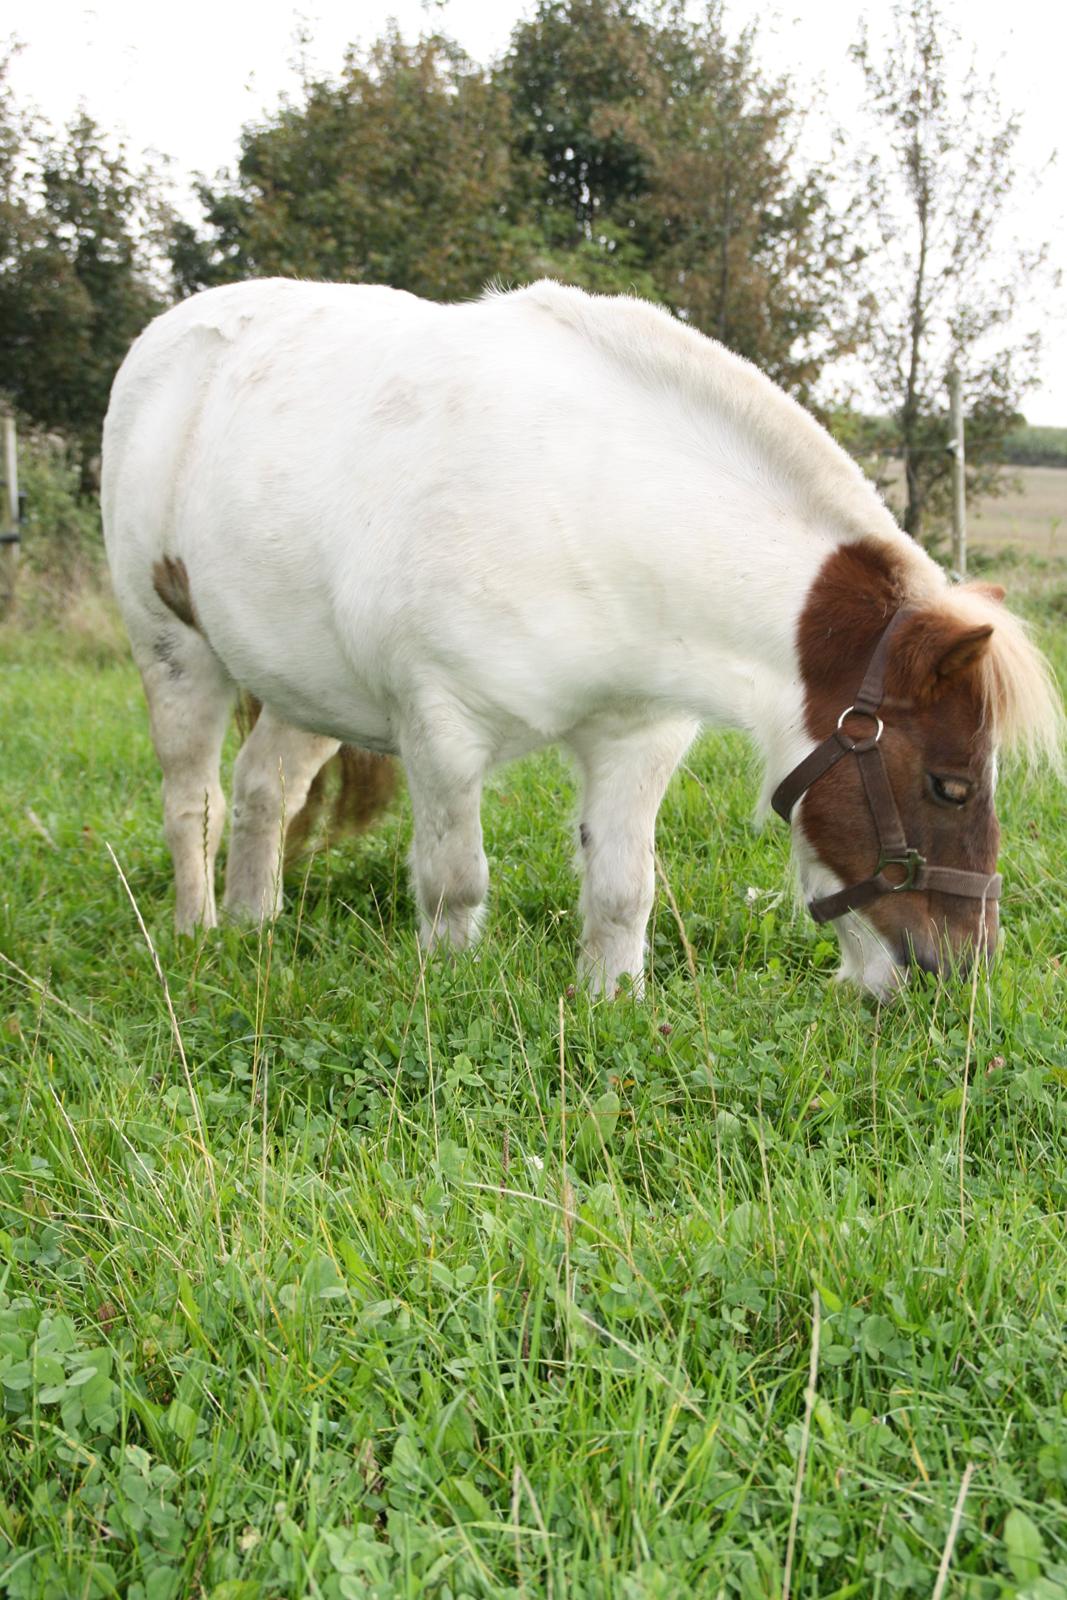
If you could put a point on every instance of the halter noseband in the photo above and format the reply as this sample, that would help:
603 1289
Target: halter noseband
893 848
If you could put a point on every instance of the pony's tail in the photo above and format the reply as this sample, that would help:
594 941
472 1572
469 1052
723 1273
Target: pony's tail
246 713
346 795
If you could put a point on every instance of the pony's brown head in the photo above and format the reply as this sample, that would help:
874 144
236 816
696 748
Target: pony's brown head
898 840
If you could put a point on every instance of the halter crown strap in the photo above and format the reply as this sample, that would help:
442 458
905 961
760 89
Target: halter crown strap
839 744
893 847
872 689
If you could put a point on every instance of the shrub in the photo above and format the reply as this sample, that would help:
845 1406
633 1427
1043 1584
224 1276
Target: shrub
62 547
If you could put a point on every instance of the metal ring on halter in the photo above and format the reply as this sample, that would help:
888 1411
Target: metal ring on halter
861 744
912 862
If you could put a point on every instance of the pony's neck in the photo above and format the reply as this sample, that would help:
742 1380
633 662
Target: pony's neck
791 605
738 564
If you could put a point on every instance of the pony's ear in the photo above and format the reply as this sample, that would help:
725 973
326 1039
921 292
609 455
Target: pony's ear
933 652
963 651
988 591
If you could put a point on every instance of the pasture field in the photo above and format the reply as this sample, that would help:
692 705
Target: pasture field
1031 515
441 1281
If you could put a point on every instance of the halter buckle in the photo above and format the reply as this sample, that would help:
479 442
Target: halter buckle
858 745
910 860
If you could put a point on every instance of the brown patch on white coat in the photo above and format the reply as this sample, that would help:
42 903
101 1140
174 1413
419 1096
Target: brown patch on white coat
170 580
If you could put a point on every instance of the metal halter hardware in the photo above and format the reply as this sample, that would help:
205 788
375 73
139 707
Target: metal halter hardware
893 849
851 711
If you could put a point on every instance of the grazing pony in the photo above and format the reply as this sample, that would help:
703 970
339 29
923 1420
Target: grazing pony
457 533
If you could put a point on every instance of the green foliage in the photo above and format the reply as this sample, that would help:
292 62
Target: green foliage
397 173
1025 446
75 279
1028 446
643 126
61 542
425 1314
576 72
617 146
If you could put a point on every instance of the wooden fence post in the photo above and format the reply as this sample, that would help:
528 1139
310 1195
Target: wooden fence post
10 537
959 499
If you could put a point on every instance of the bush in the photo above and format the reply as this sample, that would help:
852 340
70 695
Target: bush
62 546
1036 447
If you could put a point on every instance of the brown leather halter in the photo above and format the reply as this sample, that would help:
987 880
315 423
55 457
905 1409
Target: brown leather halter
893 848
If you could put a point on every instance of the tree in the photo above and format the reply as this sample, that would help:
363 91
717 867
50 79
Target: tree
943 291
619 146
655 142
750 249
575 72
398 172
76 278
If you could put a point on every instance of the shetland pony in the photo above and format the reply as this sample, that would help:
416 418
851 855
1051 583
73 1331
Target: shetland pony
457 533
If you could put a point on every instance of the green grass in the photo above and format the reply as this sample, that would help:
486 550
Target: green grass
449 1283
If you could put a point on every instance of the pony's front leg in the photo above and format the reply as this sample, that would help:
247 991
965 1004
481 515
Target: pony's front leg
625 775
448 866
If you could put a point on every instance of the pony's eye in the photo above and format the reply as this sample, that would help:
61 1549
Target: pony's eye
949 791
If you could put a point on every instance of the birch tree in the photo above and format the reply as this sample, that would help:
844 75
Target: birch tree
945 285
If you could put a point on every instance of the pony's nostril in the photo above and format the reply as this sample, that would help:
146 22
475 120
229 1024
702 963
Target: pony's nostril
925 959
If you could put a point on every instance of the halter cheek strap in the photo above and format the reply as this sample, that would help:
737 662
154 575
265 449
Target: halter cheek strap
893 848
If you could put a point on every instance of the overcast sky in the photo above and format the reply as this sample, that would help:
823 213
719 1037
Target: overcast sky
182 80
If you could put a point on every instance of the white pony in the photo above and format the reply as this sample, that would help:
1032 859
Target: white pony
461 532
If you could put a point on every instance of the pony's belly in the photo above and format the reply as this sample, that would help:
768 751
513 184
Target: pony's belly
342 712
350 715
307 681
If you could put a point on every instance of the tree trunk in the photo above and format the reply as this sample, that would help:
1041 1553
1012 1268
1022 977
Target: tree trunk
724 253
909 416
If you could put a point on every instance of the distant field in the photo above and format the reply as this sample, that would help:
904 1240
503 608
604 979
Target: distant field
1034 514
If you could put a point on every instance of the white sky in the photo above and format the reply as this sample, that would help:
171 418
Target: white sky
182 80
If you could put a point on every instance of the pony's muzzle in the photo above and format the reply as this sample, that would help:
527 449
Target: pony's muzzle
940 955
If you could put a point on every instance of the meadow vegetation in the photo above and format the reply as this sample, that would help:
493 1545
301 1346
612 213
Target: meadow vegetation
359 1276
1026 512
1036 447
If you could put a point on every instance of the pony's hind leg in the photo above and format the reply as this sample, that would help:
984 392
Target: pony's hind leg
189 698
272 775
625 774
